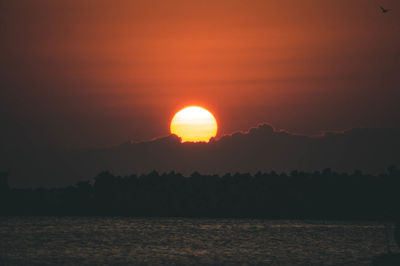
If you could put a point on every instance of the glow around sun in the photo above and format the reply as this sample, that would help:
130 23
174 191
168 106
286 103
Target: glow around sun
194 123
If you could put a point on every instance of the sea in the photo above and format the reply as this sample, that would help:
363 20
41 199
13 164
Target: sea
181 241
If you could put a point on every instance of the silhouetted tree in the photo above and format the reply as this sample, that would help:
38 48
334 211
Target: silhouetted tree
300 195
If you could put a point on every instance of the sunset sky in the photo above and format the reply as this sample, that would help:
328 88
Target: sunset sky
98 73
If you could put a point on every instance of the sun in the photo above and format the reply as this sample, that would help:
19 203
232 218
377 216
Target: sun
194 123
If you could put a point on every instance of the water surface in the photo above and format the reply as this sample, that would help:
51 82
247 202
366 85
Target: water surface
48 240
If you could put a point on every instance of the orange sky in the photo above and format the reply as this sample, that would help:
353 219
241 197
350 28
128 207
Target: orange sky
95 73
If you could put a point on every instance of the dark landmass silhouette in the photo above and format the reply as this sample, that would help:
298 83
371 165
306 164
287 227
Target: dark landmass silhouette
298 195
260 149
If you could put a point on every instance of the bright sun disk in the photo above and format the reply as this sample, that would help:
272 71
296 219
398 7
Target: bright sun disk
194 124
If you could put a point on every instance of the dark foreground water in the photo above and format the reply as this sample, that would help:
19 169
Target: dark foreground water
158 241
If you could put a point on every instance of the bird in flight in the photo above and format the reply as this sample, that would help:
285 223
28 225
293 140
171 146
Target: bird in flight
385 10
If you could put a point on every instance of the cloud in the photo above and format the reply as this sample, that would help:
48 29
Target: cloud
261 148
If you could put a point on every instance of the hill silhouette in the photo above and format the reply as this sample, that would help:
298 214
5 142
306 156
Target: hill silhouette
260 149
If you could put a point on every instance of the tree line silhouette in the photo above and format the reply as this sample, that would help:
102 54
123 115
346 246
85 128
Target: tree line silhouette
298 195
